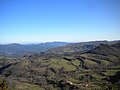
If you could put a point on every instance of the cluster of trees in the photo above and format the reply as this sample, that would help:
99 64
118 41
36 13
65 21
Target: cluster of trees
3 84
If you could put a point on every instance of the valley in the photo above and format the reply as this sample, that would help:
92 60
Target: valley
77 66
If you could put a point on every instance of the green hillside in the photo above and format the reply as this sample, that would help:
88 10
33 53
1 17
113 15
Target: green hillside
97 69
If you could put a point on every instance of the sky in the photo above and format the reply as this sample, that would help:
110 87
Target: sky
34 21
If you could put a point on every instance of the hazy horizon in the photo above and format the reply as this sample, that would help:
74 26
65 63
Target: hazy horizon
28 43
39 21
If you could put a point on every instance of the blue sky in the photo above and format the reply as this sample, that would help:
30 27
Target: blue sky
34 21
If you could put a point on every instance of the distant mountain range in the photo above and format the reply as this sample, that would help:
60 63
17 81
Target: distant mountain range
19 49
16 49
79 47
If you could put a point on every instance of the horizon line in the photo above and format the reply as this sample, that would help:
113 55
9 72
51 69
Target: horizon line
26 43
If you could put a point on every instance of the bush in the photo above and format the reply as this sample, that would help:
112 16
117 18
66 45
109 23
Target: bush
3 85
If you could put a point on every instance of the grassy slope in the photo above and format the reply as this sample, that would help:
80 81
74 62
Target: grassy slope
26 86
58 63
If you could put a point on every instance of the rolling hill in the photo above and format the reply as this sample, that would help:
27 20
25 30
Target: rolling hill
78 47
19 49
96 69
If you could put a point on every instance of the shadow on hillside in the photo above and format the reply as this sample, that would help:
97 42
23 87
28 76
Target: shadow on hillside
4 67
115 78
